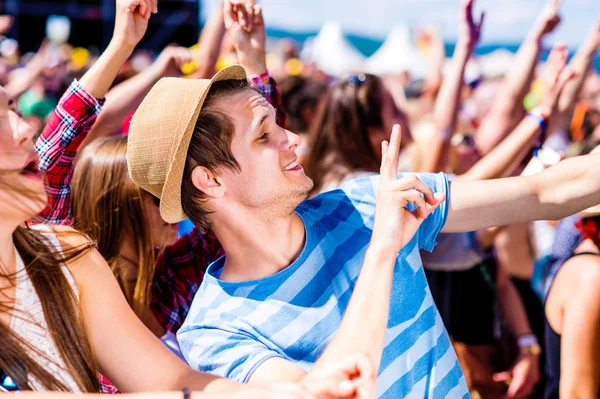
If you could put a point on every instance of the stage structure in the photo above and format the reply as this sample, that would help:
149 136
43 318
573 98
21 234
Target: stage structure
92 22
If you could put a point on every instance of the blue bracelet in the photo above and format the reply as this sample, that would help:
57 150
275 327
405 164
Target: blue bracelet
543 128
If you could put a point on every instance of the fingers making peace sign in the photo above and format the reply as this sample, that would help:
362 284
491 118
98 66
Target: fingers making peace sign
395 225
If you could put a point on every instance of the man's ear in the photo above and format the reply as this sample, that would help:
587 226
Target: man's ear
207 182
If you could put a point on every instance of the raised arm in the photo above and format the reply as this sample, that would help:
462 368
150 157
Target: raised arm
79 107
249 41
580 64
209 45
129 354
507 109
447 103
33 70
507 155
561 190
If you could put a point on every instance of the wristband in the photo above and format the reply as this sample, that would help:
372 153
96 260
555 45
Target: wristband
527 340
542 119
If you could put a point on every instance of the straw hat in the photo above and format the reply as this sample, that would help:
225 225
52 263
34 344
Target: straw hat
590 212
160 134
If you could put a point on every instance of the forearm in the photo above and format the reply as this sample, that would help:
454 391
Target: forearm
147 395
446 110
561 190
512 306
101 75
121 101
209 45
505 157
501 118
16 87
365 320
581 62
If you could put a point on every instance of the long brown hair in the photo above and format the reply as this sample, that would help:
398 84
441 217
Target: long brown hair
106 205
340 135
61 309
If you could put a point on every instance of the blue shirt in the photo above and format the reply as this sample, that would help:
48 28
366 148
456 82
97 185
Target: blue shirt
232 328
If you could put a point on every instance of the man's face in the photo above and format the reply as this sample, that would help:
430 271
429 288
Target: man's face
270 178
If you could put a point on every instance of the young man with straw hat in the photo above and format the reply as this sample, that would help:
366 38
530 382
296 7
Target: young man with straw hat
287 296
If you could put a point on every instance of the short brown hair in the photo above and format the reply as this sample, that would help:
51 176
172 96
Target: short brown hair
210 147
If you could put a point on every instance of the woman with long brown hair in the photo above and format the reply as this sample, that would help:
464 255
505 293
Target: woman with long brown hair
358 115
123 220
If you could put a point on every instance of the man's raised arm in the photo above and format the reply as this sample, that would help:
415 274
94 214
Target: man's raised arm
562 190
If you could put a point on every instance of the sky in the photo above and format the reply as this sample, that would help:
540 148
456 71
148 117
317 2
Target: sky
507 21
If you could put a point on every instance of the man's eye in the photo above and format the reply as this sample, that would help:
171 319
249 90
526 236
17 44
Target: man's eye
263 137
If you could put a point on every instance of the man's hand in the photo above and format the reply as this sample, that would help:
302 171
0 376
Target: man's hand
246 27
131 20
170 61
395 225
353 377
470 31
555 77
548 19
523 376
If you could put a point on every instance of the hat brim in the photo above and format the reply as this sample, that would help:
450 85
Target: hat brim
171 209
590 212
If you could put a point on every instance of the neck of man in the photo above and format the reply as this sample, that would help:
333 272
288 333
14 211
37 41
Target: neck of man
258 247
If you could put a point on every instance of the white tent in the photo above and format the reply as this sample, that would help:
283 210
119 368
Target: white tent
333 53
396 55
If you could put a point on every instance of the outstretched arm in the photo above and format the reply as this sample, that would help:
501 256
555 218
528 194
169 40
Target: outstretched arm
561 190
580 65
209 45
507 109
448 102
34 68
507 155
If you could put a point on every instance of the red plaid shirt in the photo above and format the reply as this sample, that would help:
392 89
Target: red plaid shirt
180 267
57 147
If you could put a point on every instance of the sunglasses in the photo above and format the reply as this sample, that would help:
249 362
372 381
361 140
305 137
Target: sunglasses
465 139
357 80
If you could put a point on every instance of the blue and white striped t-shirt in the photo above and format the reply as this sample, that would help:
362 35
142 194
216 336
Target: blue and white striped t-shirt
232 328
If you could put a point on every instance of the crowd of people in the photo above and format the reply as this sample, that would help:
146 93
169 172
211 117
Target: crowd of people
413 239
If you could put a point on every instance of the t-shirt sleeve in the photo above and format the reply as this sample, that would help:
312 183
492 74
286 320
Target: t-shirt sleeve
432 226
224 353
362 193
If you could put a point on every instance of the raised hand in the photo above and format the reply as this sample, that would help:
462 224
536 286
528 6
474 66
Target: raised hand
171 59
353 377
395 225
470 31
555 77
131 20
246 27
548 19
